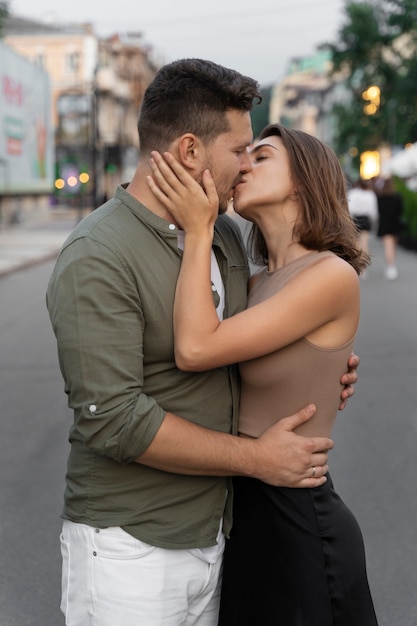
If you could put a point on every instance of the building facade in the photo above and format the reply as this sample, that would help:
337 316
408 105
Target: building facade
304 97
96 89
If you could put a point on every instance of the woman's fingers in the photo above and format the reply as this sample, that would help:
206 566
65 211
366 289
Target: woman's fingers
163 175
173 186
176 168
210 189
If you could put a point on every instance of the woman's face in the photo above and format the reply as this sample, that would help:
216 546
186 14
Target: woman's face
268 184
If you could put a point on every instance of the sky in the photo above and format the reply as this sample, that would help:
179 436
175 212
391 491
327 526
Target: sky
255 37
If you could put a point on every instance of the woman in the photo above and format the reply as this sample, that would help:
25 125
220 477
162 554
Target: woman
390 209
295 556
363 207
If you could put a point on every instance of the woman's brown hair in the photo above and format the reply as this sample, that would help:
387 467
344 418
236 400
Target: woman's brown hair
324 222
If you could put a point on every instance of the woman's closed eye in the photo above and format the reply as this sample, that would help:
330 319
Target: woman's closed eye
259 156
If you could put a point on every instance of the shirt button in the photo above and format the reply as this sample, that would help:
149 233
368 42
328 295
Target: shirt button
92 408
172 227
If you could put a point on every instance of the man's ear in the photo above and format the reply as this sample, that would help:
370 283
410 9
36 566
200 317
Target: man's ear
190 151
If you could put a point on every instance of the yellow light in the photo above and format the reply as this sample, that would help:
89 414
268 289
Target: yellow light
370 164
373 92
370 109
372 95
59 183
72 181
84 177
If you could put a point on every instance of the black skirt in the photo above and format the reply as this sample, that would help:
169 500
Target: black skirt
362 222
390 208
295 558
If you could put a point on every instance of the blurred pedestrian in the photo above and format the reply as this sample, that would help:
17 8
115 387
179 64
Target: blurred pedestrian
390 210
363 207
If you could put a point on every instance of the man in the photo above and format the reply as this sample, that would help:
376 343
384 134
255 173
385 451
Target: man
147 500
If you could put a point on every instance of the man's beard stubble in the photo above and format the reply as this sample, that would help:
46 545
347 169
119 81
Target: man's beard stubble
223 202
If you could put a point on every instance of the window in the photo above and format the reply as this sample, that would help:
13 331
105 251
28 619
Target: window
72 62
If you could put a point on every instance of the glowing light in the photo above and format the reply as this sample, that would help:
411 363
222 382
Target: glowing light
84 177
370 109
370 164
72 181
372 95
59 183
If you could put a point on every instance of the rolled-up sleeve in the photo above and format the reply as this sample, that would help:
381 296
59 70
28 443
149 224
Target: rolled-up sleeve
96 314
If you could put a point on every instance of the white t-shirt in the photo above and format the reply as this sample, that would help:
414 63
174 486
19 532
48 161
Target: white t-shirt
363 202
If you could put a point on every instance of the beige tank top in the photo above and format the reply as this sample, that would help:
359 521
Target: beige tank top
280 383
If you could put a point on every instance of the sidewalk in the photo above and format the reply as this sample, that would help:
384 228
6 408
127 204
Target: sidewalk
35 241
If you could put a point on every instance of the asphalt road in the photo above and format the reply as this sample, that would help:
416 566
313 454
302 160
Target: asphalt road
33 440
373 465
375 461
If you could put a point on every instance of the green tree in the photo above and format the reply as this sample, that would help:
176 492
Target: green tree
4 12
377 45
260 112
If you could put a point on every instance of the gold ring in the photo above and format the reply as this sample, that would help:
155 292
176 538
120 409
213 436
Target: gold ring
314 471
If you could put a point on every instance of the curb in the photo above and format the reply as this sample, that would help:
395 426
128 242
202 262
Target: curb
24 265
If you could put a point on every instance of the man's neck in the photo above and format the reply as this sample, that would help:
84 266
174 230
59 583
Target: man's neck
139 189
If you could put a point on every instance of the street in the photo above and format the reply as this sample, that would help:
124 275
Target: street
375 462
373 465
34 428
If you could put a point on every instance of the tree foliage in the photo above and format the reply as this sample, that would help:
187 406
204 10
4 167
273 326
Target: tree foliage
260 112
4 12
377 45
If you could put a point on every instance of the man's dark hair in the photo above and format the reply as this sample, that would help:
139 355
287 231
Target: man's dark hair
192 96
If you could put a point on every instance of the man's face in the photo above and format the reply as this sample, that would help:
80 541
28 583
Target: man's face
227 156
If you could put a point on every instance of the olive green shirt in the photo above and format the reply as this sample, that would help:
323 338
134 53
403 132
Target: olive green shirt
110 300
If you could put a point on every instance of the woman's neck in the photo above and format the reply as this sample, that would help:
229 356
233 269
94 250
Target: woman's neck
282 249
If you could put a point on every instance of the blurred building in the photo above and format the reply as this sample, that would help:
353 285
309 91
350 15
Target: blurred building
124 70
96 88
305 97
26 138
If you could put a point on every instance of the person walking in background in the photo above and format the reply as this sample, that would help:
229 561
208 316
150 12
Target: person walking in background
390 209
363 207
295 556
148 496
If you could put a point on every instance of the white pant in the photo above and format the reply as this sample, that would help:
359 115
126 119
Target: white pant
109 578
